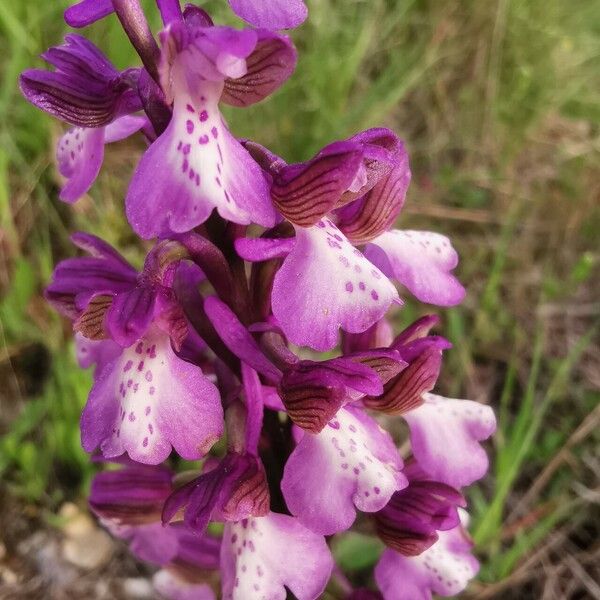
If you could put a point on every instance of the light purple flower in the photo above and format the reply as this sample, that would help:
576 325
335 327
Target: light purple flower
147 401
335 287
444 569
196 165
261 557
352 464
445 435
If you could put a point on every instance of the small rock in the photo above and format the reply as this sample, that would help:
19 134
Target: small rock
8 576
85 545
138 588
89 550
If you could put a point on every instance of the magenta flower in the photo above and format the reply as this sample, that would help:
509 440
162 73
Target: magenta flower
196 160
211 351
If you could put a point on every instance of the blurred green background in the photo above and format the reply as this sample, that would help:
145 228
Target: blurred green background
499 104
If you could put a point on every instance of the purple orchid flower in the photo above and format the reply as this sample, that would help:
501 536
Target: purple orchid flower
361 184
352 464
88 92
142 396
261 557
196 160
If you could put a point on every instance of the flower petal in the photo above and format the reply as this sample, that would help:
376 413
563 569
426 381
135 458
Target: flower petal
131 496
123 127
352 464
262 556
269 65
99 353
334 286
79 154
444 569
238 339
130 315
258 249
87 12
421 261
85 89
271 14
147 401
445 435
304 193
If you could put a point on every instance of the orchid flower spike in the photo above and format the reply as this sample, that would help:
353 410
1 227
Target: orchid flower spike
248 438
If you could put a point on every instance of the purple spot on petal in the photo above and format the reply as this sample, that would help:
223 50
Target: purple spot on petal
203 116
141 365
145 442
127 366
374 295
186 149
203 139
376 490
349 286
150 428
218 181
185 165
376 274
189 126
132 416
362 286
148 410
190 108
139 348
151 390
148 375
214 132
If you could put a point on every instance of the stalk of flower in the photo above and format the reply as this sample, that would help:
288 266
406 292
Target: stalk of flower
225 347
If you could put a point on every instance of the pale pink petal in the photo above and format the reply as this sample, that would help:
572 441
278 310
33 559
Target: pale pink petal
324 284
421 261
352 464
444 569
445 435
147 400
262 556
